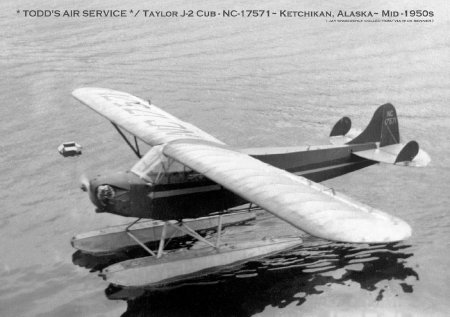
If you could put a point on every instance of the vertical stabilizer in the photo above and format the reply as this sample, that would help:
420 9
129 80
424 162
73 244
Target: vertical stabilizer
382 128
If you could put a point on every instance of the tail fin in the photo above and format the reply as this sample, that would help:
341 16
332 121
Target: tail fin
382 128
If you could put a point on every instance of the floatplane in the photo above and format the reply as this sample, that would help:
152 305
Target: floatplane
189 182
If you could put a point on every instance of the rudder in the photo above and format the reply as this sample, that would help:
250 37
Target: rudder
382 128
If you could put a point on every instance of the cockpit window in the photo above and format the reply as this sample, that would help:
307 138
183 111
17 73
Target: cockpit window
157 168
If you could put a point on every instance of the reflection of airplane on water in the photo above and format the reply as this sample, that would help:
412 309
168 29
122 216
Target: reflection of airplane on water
292 277
190 174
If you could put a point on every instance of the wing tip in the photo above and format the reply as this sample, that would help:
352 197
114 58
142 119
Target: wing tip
403 231
85 90
396 232
387 230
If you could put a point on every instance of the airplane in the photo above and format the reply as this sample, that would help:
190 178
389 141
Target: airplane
190 181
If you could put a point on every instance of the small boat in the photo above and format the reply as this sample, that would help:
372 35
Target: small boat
69 149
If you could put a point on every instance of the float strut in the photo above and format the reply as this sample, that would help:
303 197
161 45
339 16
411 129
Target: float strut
161 242
132 236
219 231
192 233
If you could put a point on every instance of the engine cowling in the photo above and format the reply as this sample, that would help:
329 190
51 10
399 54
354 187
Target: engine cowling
121 193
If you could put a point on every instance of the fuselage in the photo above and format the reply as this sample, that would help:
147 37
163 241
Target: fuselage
191 196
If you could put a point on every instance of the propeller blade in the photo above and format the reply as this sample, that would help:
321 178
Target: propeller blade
84 183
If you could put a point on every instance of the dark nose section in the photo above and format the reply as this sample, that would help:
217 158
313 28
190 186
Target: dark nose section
113 193
110 192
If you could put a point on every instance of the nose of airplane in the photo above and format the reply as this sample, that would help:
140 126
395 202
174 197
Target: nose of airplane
102 188
111 192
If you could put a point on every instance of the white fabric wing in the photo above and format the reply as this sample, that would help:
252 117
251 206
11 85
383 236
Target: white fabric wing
142 119
306 205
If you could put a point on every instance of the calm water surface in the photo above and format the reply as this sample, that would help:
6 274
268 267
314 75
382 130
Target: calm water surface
249 82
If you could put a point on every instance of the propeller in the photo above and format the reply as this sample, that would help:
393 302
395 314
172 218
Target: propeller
84 182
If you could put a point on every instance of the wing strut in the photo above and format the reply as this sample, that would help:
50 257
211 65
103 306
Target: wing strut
135 148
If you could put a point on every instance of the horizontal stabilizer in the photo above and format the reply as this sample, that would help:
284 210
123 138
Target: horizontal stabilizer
408 152
399 154
342 132
341 127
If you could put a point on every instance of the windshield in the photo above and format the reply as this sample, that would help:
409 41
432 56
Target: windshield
157 168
